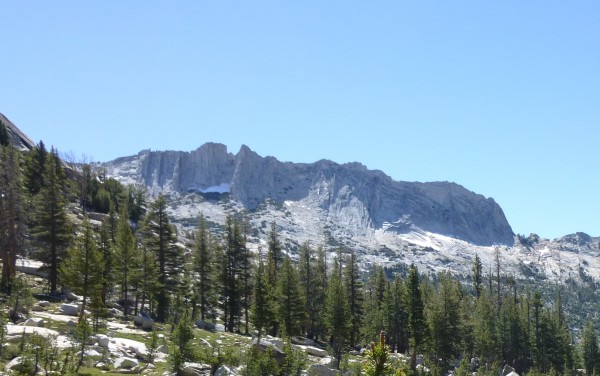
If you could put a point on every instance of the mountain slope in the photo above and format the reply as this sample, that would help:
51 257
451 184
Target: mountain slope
18 138
362 199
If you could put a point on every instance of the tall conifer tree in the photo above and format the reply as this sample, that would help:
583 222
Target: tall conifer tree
12 220
355 292
82 269
290 301
159 238
416 316
337 314
52 226
203 262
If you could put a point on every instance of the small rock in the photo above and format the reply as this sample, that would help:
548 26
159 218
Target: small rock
74 297
162 349
103 340
90 353
43 303
102 366
34 321
315 351
132 371
321 370
126 363
69 309
195 369
37 308
303 341
225 371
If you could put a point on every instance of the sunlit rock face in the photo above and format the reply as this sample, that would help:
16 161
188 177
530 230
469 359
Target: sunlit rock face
359 199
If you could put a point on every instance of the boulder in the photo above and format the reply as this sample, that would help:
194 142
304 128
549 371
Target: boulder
90 353
102 340
147 323
14 364
16 332
43 303
276 341
265 345
73 297
141 352
195 369
225 371
69 309
102 366
131 371
162 349
138 320
37 308
315 351
321 370
201 324
419 360
303 341
34 321
509 371
126 363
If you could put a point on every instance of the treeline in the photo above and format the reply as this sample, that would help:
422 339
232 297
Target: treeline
132 256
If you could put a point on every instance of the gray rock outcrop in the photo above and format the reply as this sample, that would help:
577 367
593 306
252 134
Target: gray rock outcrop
350 192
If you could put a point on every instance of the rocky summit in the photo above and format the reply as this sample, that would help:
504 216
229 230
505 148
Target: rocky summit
361 200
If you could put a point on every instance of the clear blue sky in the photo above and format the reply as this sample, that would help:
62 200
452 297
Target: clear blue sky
502 97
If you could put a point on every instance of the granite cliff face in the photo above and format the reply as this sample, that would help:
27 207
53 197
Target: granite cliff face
18 138
355 197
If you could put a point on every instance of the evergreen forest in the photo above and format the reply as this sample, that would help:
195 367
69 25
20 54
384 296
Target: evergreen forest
215 302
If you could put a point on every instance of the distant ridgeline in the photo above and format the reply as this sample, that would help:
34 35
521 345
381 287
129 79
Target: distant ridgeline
368 199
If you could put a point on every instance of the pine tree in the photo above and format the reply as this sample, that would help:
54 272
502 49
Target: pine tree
320 285
246 275
290 301
395 315
147 283
82 269
337 314
416 317
485 331
589 348
305 273
477 275
274 260
53 228
35 167
203 262
261 312
355 292
13 227
274 255
106 246
159 238
127 259
444 321
231 271
374 303
4 137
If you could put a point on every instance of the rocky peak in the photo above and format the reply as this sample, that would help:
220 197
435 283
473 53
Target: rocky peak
361 199
19 139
